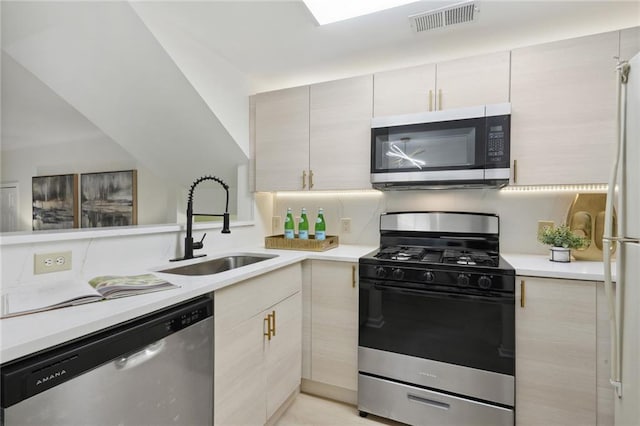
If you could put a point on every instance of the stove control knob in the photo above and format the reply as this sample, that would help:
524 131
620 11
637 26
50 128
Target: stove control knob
398 274
484 282
429 276
381 272
463 280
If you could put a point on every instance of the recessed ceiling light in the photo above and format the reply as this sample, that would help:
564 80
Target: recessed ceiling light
328 11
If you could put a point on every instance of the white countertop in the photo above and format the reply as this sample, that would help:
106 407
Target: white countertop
541 266
27 334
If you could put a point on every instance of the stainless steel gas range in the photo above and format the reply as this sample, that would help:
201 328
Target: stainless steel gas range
436 322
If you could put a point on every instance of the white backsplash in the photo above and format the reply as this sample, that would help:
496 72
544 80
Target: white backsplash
519 212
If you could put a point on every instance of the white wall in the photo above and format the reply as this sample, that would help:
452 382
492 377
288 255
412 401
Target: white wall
133 254
156 196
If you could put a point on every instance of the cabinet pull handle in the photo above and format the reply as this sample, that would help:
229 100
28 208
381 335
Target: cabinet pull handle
439 99
522 293
267 319
430 100
515 171
273 317
353 276
304 179
310 179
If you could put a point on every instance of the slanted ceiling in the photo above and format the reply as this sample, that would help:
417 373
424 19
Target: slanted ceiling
102 60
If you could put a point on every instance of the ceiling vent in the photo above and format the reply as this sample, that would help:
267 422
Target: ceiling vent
444 16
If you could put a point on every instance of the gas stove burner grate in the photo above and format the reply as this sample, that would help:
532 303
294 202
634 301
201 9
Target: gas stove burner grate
464 257
400 253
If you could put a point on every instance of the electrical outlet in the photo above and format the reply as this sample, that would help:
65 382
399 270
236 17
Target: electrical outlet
544 223
276 225
51 262
345 225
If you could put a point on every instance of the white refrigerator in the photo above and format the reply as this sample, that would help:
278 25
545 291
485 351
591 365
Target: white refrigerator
624 294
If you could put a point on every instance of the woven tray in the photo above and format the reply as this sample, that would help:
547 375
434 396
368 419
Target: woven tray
279 242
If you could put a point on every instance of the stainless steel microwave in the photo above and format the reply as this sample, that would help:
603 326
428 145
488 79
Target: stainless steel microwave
466 147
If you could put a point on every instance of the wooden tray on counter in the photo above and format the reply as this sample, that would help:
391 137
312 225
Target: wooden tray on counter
279 242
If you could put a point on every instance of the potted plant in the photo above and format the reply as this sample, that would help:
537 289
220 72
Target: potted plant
561 240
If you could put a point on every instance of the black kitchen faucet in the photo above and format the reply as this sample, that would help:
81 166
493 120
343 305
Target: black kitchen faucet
189 245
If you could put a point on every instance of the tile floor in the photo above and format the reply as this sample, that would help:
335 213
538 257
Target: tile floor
309 410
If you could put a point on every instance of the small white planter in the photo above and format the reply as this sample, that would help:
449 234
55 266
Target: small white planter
560 254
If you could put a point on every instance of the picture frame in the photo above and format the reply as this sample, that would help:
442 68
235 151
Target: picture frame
54 202
109 199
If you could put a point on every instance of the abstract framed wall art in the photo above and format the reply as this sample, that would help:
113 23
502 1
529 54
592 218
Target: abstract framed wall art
54 202
109 199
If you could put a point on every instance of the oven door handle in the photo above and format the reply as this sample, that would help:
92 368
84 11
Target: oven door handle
507 298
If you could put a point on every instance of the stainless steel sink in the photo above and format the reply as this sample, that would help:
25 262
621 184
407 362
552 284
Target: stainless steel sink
220 264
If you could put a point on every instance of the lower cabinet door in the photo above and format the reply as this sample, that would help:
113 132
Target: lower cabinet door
334 324
283 353
239 378
555 352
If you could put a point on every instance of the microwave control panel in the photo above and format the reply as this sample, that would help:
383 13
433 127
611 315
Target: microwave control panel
497 148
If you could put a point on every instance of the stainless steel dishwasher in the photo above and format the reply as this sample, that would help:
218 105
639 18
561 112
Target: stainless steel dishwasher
154 370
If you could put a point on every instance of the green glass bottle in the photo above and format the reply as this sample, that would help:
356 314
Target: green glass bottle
321 227
303 226
289 226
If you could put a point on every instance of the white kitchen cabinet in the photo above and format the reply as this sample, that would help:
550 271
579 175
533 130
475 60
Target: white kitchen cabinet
604 390
555 352
281 126
255 374
471 81
563 102
340 135
334 323
404 91
314 137
283 352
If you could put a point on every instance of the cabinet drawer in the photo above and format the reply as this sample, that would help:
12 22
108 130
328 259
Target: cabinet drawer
419 406
241 301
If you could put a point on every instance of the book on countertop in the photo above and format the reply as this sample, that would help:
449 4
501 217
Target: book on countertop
31 298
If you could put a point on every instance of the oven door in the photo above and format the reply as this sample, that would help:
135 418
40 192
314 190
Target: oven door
474 331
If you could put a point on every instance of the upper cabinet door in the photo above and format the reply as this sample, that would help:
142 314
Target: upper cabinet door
282 139
477 80
458 83
404 91
340 134
563 100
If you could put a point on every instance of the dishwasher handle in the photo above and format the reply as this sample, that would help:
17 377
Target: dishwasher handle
140 357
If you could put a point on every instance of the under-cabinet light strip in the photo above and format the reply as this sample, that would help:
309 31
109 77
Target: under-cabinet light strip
361 193
556 188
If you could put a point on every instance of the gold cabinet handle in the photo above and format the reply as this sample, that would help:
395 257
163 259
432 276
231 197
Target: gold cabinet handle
267 319
430 100
515 171
273 317
353 276
310 179
304 179
439 99
522 293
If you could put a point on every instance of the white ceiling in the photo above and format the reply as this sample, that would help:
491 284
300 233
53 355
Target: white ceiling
278 44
